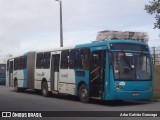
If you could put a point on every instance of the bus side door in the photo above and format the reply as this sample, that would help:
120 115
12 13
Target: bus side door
97 73
11 81
55 60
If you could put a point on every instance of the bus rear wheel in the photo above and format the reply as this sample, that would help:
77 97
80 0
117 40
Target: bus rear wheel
44 89
83 93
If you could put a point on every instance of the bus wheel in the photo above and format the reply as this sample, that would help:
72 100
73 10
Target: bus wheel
44 89
83 93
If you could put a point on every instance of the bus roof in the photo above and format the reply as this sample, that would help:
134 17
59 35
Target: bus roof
92 44
107 42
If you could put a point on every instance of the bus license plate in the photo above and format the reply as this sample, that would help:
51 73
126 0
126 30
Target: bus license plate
135 94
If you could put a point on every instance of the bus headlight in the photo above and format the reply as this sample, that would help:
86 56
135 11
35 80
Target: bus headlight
118 87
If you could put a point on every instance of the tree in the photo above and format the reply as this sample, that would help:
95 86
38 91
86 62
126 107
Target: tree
154 8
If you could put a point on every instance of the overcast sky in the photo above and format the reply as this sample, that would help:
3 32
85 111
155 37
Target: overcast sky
27 25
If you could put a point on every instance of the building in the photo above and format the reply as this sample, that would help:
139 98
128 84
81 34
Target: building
125 35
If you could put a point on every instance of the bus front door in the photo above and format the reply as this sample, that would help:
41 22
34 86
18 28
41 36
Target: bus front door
97 73
11 81
55 72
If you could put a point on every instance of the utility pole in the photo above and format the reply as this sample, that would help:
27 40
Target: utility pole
61 25
154 55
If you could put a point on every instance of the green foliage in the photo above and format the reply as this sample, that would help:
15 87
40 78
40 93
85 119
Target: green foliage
154 8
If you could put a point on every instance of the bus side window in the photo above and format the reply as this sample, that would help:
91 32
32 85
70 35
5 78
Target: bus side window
84 58
65 59
22 62
16 64
73 61
39 61
46 63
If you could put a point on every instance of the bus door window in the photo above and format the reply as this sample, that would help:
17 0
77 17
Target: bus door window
11 67
11 73
96 65
55 62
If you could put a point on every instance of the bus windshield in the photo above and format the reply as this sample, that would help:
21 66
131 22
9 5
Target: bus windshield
132 66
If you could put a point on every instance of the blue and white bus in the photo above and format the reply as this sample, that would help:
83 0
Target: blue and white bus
106 70
2 74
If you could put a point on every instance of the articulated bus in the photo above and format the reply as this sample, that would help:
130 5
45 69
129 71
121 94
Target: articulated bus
106 70
2 74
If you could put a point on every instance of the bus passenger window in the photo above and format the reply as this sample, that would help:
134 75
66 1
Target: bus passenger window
23 61
46 63
16 64
84 58
64 59
39 61
73 61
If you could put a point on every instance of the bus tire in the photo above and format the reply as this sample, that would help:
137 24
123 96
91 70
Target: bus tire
83 93
44 89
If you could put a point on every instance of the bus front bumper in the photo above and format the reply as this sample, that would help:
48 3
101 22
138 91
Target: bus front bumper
131 95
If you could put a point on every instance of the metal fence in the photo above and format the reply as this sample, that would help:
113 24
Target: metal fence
155 52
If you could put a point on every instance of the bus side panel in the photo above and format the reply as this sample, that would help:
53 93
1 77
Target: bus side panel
41 74
67 81
82 76
19 75
111 87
